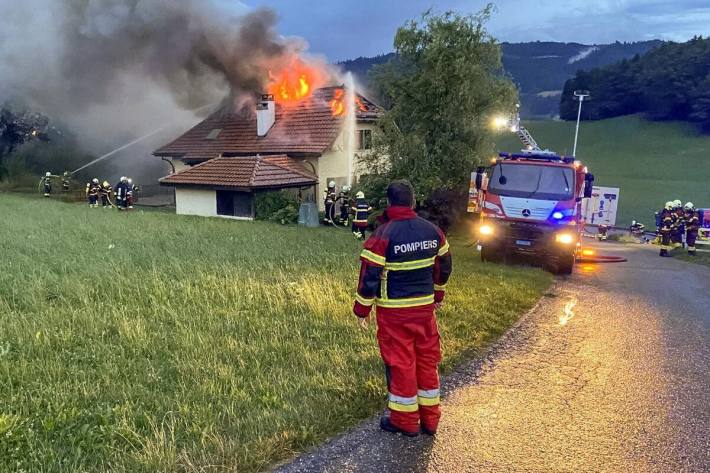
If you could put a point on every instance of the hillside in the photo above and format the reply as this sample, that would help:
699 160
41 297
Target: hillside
669 83
651 162
539 68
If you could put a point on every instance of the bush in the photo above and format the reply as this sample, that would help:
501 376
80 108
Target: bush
281 207
444 207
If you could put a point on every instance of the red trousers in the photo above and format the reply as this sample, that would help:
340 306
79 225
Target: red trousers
409 345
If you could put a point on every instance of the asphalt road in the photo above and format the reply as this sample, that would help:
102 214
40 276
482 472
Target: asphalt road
610 372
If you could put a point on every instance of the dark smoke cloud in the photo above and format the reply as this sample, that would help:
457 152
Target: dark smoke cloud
113 69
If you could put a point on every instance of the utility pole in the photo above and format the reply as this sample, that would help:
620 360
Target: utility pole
581 95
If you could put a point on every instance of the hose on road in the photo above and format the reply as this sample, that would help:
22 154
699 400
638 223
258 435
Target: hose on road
601 259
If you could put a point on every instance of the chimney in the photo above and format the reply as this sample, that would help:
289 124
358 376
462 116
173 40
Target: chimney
265 114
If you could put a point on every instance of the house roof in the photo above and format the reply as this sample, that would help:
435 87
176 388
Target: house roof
306 128
252 172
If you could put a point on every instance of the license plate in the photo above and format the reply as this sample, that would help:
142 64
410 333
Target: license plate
523 242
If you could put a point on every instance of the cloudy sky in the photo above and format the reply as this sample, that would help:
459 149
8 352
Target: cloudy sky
343 29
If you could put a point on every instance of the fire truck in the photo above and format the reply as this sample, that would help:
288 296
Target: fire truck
531 203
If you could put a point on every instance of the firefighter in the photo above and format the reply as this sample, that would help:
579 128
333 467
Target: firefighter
330 198
92 192
121 193
66 181
361 210
132 190
105 193
47 184
678 227
666 228
692 226
345 204
405 266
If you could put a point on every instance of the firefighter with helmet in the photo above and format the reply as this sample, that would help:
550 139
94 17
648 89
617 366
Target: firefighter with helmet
405 266
361 211
105 193
92 192
345 203
692 226
121 193
66 181
665 229
330 198
132 190
47 184
678 228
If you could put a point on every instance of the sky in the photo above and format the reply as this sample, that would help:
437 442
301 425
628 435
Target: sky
346 29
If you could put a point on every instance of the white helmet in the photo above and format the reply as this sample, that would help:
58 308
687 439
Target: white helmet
689 206
346 188
331 184
124 179
669 205
48 174
95 180
130 181
360 195
677 204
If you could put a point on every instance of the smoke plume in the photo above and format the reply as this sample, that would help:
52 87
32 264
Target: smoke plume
114 69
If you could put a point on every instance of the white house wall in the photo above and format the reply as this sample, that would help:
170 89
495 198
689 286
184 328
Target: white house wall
333 165
201 202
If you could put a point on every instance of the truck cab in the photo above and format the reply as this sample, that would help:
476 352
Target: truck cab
531 204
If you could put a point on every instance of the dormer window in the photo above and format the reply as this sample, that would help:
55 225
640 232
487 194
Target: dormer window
214 134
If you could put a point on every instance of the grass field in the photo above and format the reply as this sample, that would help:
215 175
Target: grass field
153 342
651 162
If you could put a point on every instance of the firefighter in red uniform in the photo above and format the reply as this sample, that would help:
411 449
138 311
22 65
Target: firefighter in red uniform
692 219
405 266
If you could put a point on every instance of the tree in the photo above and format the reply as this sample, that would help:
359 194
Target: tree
17 128
443 84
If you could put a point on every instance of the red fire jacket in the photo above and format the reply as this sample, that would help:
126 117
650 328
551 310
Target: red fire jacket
405 264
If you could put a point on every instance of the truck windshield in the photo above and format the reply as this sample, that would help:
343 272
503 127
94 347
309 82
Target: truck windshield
532 181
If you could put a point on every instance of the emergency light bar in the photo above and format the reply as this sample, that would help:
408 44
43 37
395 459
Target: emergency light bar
538 156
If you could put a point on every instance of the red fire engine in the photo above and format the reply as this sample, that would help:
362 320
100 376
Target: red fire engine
531 203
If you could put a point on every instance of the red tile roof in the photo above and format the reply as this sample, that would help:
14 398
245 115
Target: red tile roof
252 172
307 128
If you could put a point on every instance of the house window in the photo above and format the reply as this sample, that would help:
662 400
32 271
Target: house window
214 134
364 139
235 204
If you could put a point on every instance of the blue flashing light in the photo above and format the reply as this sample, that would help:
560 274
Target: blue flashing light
558 215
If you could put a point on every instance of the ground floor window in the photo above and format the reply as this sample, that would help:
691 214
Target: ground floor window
235 204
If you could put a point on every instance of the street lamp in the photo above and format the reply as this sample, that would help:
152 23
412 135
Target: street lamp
580 95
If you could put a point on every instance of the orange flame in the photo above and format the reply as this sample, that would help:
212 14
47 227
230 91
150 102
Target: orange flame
337 105
360 105
293 83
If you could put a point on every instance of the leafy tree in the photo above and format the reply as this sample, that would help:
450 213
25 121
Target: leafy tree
668 83
17 128
442 87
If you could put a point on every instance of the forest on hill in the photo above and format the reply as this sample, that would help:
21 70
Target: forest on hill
671 82
539 68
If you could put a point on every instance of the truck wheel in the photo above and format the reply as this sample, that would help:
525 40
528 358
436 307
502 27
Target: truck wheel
491 254
565 265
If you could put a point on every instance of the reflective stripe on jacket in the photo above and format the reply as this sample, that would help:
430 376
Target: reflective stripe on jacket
362 210
406 263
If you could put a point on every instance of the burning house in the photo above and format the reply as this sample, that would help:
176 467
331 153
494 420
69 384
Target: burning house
295 137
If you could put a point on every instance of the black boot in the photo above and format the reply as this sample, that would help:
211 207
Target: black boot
386 425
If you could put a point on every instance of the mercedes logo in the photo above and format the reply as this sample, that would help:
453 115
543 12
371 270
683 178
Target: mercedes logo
526 212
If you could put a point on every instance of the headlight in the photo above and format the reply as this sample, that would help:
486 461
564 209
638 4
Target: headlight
485 229
564 238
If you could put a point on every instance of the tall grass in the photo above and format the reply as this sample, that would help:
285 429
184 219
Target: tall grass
146 341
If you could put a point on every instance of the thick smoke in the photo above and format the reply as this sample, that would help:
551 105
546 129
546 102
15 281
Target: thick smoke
115 69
